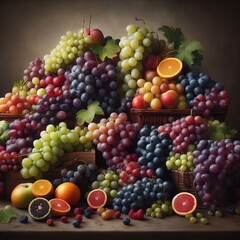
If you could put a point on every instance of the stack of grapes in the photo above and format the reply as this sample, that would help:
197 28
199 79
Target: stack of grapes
54 141
184 131
215 164
108 181
91 80
76 171
114 137
141 194
153 148
203 93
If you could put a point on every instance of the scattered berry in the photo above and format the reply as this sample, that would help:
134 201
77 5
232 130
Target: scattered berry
76 223
193 219
50 222
64 219
77 210
210 213
117 214
23 219
87 213
78 217
237 210
218 213
231 210
199 215
203 220
126 221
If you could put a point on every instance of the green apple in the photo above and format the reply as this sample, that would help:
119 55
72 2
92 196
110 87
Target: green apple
22 195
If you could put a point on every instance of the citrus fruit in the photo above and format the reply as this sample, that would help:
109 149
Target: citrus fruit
59 207
169 68
39 209
184 203
96 198
69 192
42 188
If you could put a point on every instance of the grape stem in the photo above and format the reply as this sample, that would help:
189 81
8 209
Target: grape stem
90 21
140 19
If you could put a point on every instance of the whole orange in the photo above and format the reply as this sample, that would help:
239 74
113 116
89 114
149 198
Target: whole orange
69 192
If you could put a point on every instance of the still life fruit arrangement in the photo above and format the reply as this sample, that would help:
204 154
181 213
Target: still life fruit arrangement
83 96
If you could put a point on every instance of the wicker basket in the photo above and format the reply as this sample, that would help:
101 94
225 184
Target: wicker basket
185 182
162 116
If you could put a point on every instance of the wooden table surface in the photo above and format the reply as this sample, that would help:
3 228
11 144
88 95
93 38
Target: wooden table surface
171 227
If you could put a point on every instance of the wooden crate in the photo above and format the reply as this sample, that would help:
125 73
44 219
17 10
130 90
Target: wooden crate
13 178
10 117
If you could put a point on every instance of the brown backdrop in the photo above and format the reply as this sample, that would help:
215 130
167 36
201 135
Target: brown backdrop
30 29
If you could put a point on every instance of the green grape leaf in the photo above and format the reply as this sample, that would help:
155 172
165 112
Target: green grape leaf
187 50
7 214
173 35
95 108
18 83
87 115
109 50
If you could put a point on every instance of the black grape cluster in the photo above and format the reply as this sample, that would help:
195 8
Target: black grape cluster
53 110
203 93
77 172
215 162
153 148
142 194
91 81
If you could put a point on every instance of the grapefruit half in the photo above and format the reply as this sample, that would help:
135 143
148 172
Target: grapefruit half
96 198
184 203
59 207
169 67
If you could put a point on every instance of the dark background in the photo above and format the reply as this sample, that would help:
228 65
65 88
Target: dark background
30 29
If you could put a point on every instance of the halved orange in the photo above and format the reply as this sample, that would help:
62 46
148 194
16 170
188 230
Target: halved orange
42 188
96 198
184 203
169 67
59 207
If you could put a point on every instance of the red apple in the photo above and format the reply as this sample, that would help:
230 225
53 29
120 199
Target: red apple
138 102
22 195
170 99
151 62
96 35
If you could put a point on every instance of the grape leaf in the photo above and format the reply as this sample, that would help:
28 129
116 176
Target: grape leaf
173 35
7 214
109 50
87 115
187 50
18 83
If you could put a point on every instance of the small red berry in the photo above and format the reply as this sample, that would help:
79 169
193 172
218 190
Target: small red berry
50 222
77 210
64 219
117 214
78 217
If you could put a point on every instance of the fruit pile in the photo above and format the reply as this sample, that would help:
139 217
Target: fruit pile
79 96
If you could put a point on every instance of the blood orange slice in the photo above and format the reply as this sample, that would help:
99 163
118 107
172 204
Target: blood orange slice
96 198
59 207
184 203
42 188
169 68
